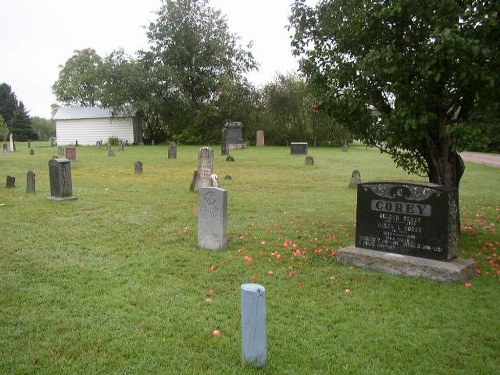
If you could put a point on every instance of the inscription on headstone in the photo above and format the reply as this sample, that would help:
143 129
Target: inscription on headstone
259 141
138 167
172 150
298 148
61 185
419 220
11 182
30 182
212 218
71 153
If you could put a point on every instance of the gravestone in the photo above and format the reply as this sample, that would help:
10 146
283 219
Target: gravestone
355 179
309 160
205 168
224 149
98 145
234 136
408 228
61 151
345 146
52 142
172 150
138 167
259 141
298 148
32 151
212 218
230 159
11 143
29 144
5 149
61 185
11 182
254 324
121 146
111 152
70 153
30 182
76 143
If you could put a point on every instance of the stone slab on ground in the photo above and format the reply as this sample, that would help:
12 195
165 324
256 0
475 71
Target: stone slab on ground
458 270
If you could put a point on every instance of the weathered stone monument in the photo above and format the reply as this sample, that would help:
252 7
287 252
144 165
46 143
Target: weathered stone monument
212 218
309 160
259 141
234 136
224 147
298 148
355 179
201 177
11 182
11 143
172 150
408 228
61 184
70 153
30 182
254 324
138 167
5 149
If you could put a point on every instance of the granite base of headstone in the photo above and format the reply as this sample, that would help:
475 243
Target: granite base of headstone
172 150
61 184
11 182
298 148
309 160
138 167
30 182
355 179
212 218
408 229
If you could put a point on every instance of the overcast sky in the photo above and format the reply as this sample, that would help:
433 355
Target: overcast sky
37 36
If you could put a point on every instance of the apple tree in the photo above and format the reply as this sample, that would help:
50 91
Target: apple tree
405 76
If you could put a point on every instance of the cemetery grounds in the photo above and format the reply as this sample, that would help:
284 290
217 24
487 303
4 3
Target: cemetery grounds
114 283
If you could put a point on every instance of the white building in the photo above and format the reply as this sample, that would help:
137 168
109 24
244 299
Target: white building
87 125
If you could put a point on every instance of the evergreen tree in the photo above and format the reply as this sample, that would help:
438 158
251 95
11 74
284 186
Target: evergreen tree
8 103
21 126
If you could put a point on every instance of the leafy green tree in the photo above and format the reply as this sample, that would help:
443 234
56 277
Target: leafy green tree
43 128
20 125
80 79
403 74
4 129
8 102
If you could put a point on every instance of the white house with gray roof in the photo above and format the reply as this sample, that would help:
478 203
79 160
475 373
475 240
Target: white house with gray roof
87 125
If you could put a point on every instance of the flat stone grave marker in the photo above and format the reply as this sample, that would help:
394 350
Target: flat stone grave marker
172 150
138 167
408 228
212 218
355 179
11 182
298 148
259 141
61 184
30 182
71 153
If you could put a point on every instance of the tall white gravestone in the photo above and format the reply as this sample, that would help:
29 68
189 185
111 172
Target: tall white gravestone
11 143
254 324
212 218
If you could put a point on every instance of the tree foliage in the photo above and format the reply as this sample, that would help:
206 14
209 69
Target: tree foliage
45 129
20 125
8 102
402 75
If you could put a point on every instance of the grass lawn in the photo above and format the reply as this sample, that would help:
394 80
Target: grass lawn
113 283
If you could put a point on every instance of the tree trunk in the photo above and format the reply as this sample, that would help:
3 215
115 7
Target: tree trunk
446 170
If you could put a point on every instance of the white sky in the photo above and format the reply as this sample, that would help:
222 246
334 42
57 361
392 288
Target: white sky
37 36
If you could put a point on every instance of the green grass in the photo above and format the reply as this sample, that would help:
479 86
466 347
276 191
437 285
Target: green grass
113 283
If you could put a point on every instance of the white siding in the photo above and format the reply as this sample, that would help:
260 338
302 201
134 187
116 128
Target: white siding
89 131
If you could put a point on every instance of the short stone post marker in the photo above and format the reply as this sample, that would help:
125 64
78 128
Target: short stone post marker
11 182
138 167
254 324
172 150
61 186
30 182
212 218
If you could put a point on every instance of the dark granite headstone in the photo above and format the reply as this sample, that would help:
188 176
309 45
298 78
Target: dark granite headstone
415 219
298 148
30 182
172 150
234 136
61 185
11 182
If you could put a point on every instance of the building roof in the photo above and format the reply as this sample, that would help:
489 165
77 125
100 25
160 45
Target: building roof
73 113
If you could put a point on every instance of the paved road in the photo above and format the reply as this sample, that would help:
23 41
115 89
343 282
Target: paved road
492 160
